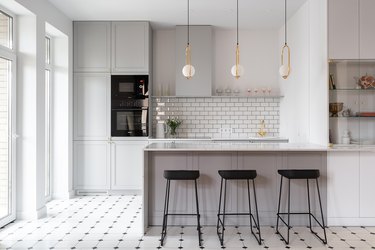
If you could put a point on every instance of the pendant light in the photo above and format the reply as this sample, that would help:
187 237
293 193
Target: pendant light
237 70
188 70
285 68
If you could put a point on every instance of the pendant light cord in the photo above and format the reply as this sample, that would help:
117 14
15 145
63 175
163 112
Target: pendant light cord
285 20
237 22
188 21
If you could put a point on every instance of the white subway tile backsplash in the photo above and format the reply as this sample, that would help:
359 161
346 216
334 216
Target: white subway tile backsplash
204 117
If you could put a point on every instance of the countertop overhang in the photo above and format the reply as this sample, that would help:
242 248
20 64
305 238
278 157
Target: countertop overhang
247 147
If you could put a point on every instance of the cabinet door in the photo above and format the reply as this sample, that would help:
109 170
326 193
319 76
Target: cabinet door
92 46
91 165
201 58
130 47
91 106
127 164
367 30
343 32
343 185
367 185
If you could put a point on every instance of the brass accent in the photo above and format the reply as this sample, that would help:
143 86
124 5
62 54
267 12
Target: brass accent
262 132
237 76
282 58
188 60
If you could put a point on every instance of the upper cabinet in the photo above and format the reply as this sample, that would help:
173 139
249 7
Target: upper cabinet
343 33
92 48
131 47
351 29
367 29
201 58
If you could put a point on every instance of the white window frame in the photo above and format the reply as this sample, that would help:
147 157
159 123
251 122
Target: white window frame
48 123
10 54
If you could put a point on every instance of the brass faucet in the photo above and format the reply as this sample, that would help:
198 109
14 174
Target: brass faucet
262 132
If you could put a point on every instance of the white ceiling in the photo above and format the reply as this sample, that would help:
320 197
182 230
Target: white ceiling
254 14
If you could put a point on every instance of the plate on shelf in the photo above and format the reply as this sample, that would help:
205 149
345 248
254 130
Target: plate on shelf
367 114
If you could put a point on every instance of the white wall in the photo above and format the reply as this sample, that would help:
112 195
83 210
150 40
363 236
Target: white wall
31 20
259 56
304 108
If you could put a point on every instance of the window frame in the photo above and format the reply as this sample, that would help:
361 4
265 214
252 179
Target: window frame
12 41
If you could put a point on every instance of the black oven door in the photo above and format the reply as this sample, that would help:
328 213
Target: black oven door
129 122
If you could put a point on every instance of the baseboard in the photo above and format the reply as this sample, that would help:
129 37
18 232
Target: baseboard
351 221
32 215
64 196
108 192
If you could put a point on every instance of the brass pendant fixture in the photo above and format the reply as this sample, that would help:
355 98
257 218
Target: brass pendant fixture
188 70
237 70
284 69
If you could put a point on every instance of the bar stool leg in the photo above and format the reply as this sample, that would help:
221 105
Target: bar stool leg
257 214
308 202
198 214
218 225
278 206
165 213
287 242
221 223
321 212
248 195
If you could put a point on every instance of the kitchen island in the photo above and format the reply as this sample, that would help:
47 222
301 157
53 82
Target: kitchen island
208 158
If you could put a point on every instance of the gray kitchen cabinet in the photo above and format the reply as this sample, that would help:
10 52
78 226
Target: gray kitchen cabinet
92 46
343 33
351 29
92 106
91 165
127 164
201 58
131 43
366 29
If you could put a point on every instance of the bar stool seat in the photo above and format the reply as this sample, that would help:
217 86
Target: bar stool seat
299 173
180 175
294 174
237 175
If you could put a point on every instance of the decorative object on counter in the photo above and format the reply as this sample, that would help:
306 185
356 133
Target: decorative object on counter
249 92
285 68
237 70
366 82
228 91
269 90
255 91
188 70
366 114
262 132
335 108
264 90
332 84
173 123
345 138
219 91
160 130
347 112
236 92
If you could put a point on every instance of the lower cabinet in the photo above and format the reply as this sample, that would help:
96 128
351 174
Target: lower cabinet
127 165
108 165
91 165
350 188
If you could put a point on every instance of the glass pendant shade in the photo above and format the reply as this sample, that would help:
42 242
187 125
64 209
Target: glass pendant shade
237 71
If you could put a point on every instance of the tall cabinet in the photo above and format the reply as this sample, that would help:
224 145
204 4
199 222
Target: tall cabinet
101 49
352 124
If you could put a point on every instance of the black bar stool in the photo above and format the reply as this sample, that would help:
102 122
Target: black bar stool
300 174
237 175
179 175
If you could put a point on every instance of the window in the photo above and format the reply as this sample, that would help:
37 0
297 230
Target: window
48 69
6 30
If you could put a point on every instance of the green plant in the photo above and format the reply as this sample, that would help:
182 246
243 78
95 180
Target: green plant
173 123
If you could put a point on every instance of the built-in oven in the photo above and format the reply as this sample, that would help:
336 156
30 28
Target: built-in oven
129 117
129 86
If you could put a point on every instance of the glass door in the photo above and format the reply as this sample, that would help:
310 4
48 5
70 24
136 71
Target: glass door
7 138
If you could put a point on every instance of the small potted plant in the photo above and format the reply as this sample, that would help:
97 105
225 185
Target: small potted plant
173 123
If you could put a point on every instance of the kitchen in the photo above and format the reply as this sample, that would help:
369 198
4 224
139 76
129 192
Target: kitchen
112 95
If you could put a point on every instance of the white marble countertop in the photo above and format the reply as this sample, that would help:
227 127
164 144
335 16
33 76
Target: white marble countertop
237 146
227 139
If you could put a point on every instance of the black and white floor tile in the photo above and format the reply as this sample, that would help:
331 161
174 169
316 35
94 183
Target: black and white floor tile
114 222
